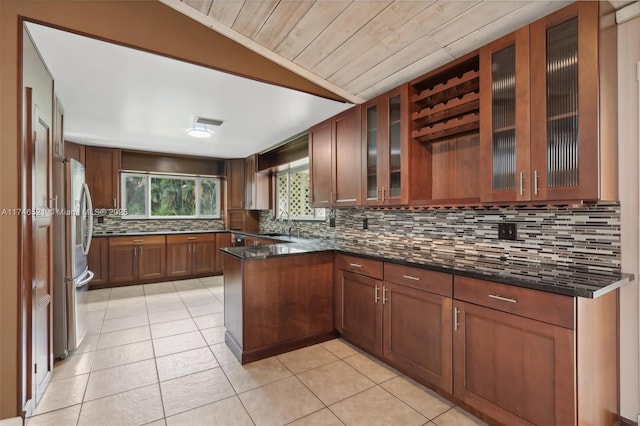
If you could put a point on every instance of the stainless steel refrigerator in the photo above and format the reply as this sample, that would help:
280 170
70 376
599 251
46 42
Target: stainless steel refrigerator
73 228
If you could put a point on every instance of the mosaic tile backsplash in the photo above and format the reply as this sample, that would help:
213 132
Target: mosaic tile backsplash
115 224
586 236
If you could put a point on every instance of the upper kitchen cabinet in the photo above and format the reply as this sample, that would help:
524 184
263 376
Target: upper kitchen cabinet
257 186
385 146
504 108
444 147
334 161
102 168
548 128
75 151
235 184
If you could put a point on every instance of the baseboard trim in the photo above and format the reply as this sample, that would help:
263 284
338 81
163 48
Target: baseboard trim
626 422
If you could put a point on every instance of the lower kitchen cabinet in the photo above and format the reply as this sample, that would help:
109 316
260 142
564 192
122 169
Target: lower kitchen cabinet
362 311
98 261
190 255
407 323
418 323
134 259
223 239
518 370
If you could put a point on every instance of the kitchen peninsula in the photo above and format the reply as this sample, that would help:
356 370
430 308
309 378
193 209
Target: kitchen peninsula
277 298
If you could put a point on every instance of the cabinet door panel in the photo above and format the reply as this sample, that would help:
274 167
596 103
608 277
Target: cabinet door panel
505 114
362 313
123 263
564 104
502 360
179 259
102 168
235 184
98 260
223 239
417 334
152 261
204 258
346 158
320 168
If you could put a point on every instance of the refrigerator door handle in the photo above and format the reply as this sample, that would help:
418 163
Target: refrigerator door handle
89 276
89 215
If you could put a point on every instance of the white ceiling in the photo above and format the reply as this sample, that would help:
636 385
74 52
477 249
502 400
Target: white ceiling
121 97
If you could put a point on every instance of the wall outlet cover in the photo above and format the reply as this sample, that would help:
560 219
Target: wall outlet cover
507 231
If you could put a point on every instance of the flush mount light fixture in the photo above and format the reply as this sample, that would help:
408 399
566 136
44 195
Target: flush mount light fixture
202 127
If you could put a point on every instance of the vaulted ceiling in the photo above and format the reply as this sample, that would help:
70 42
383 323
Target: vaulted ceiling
359 49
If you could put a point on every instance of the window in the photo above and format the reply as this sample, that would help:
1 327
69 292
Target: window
162 196
293 190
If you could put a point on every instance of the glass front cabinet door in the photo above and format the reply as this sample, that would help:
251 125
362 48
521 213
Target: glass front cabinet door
385 149
504 109
539 110
564 104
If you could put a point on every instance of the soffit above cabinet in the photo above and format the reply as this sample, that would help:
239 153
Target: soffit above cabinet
359 49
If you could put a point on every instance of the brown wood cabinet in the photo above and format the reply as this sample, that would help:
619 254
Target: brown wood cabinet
98 261
405 320
257 185
102 176
191 255
75 151
523 356
334 161
542 126
235 184
417 324
385 149
278 304
238 218
133 259
223 239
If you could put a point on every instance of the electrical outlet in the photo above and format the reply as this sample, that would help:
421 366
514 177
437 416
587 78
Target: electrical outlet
507 231
100 219
365 223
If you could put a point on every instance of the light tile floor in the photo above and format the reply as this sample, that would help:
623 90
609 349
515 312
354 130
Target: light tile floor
155 355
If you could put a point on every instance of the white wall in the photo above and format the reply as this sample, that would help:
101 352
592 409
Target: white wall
629 183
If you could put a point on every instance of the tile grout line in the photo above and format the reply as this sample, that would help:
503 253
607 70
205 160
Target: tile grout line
155 363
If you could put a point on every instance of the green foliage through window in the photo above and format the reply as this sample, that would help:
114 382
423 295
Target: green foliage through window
160 196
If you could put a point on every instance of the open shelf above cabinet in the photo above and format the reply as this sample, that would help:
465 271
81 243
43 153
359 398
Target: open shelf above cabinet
446 104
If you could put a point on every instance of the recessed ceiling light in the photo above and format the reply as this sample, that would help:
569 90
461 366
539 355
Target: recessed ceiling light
202 127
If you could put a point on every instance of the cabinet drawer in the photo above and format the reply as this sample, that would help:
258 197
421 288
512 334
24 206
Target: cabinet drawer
136 240
190 238
360 265
539 305
421 279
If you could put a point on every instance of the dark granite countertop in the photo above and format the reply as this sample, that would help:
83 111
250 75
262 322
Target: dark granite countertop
137 233
575 281
566 280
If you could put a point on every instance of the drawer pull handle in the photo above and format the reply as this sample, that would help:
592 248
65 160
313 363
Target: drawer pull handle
138 241
192 238
504 299
384 295
409 277
356 265
376 294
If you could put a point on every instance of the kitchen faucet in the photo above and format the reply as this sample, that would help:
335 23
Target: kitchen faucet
282 213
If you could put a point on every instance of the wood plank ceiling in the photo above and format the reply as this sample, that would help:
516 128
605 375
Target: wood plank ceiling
359 49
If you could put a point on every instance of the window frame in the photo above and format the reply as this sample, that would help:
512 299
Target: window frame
288 172
148 176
